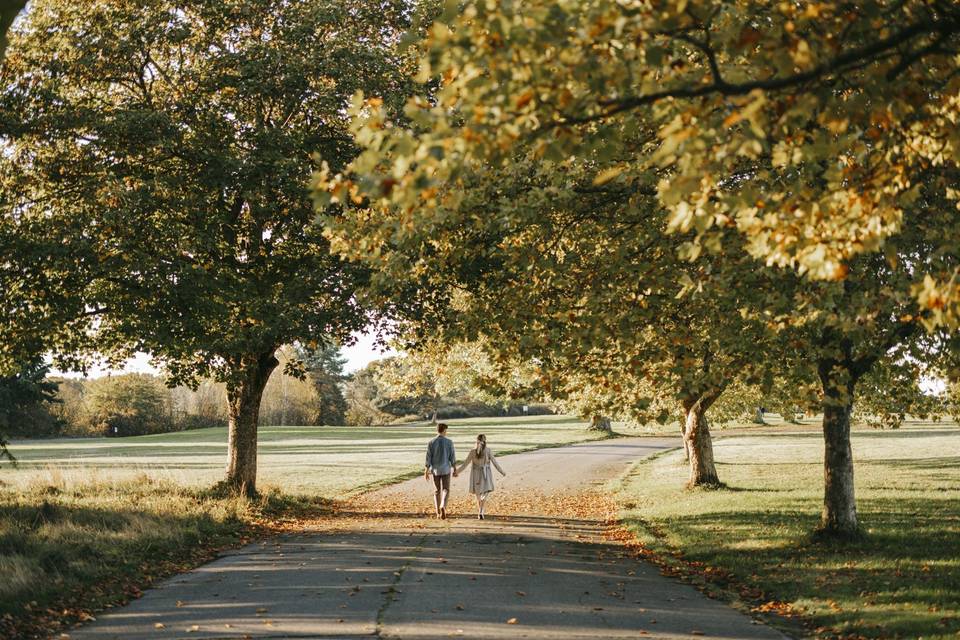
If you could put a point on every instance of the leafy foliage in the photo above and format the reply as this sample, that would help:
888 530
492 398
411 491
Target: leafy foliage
25 401
799 160
155 184
324 367
127 405
165 149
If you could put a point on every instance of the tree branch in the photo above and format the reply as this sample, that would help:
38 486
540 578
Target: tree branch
843 61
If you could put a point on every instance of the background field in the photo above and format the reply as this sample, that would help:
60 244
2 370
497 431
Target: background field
319 461
902 581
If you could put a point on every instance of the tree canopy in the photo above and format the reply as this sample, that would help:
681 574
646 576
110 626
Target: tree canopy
155 183
800 158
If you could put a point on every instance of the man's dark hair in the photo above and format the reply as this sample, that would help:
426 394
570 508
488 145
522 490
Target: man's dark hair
441 427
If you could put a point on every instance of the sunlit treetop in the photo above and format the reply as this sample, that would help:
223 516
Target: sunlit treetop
808 127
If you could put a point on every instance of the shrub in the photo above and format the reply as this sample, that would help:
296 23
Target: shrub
127 405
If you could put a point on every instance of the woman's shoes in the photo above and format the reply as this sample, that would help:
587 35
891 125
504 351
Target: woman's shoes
480 516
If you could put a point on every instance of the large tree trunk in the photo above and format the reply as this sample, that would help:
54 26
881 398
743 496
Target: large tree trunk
699 445
243 406
839 517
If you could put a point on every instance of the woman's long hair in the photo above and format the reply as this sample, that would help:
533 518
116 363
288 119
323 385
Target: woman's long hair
481 445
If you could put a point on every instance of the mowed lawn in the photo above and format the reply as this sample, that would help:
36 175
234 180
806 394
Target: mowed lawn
902 581
315 461
87 523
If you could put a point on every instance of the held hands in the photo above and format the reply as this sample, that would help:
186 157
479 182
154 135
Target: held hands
426 475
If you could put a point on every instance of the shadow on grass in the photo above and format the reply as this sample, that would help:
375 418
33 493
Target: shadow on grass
901 579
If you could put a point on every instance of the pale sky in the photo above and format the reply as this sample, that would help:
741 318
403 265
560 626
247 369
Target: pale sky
358 356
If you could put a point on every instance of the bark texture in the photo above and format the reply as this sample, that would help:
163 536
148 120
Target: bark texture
839 516
698 443
243 406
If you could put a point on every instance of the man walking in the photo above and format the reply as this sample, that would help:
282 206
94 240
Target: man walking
441 463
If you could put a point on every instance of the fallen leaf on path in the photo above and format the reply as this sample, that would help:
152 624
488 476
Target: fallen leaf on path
159 625
521 593
512 621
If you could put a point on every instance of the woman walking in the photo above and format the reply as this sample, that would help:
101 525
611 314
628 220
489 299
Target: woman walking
481 475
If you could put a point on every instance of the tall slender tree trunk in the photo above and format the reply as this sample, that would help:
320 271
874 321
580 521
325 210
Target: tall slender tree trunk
243 410
839 516
698 443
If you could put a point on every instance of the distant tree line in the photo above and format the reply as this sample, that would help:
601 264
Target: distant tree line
430 385
34 404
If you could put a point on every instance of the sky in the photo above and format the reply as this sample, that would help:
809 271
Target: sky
358 356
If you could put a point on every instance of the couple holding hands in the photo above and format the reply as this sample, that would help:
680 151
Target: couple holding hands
442 462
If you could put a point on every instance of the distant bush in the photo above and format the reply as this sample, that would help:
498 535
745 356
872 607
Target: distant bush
127 405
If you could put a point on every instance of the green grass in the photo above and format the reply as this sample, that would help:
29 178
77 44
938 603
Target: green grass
87 522
903 580
325 461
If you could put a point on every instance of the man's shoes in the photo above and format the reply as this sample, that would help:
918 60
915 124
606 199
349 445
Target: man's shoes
438 515
481 516
443 513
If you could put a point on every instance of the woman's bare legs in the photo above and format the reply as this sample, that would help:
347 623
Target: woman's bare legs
481 501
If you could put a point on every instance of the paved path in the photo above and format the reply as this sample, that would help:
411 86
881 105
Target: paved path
396 574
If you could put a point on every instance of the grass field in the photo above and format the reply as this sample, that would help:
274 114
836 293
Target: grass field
87 523
903 581
317 461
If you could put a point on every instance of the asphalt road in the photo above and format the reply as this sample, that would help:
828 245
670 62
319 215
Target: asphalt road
392 572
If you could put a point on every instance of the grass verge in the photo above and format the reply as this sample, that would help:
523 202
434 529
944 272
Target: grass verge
67 552
751 541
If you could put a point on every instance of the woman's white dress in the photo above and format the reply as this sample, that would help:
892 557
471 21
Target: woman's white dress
481 474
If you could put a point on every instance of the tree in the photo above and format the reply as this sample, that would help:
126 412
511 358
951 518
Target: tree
324 367
155 186
364 398
433 370
131 404
820 138
288 399
25 401
9 10
585 282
